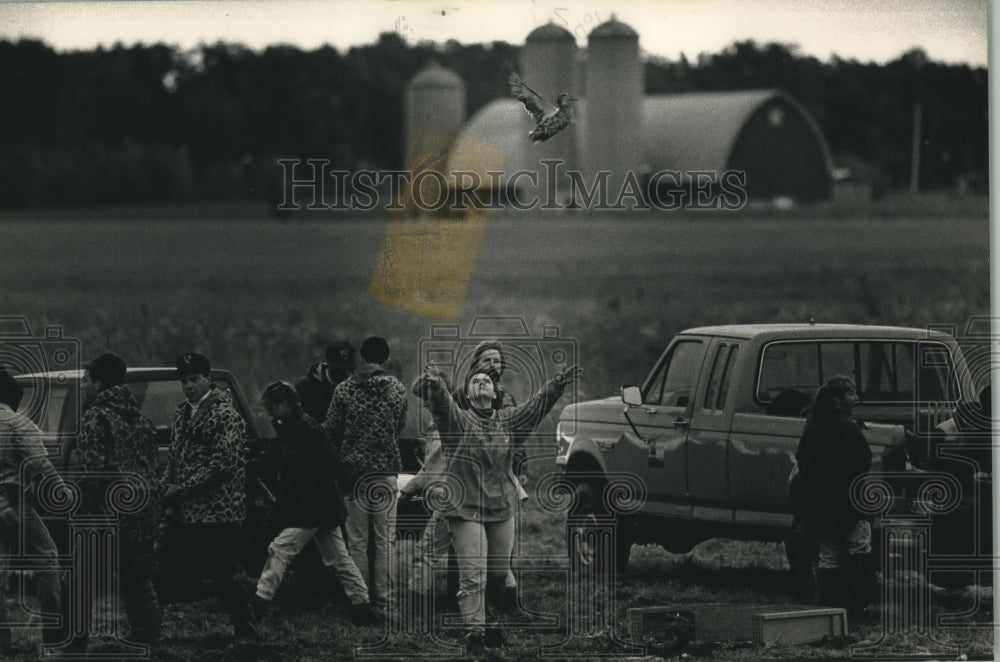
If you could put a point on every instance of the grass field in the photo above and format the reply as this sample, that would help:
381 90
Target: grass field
262 296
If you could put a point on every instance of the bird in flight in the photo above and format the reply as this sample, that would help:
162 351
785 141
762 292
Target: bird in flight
549 119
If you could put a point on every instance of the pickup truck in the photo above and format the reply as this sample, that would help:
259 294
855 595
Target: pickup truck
705 447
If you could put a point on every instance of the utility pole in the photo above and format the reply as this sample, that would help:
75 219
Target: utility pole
918 116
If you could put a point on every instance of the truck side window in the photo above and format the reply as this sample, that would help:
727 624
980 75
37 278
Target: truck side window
673 383
158 400
718 384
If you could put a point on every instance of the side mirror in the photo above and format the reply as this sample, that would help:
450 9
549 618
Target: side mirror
631 395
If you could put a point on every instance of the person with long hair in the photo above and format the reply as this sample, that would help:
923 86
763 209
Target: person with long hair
481 492
831 454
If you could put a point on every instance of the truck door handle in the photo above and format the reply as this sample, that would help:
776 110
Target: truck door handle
681 422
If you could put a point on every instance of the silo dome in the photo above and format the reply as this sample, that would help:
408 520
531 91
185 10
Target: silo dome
613 29
550 32
434 75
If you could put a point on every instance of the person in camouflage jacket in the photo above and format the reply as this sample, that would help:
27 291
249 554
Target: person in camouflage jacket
205 495
366 415
116 441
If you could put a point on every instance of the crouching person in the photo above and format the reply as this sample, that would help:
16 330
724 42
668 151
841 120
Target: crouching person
309 503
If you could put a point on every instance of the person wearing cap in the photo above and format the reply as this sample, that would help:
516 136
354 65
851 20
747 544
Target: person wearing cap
315 388
23 453
309 505
116 441
205 495
478 444
366 416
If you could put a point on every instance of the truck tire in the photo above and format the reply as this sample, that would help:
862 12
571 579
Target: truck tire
587 543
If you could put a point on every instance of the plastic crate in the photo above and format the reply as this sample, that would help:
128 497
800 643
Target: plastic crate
761 624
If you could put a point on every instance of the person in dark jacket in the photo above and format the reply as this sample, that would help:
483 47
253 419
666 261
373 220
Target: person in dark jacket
309 505
315 388
831 454
116 441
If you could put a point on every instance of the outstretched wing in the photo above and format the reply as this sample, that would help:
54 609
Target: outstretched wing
533 101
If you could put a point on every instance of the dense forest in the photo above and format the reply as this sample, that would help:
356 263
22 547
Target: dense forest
151 123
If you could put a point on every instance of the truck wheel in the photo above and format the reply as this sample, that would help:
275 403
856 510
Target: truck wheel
590 549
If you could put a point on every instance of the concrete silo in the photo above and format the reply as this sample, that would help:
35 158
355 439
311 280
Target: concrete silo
614 104
435 112
548 65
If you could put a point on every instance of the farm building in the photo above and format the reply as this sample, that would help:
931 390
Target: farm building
765 134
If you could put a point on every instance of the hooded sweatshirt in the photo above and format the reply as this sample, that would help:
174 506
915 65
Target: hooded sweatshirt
117 443
366 415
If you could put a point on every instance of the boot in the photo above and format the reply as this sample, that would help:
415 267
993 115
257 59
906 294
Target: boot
494 608
511 609
831 587
861 587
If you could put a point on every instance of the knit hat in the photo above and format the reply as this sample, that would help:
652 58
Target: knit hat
375 350
340 354
108 369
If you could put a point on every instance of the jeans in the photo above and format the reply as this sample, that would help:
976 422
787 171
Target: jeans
377 506
36 542
333 549
187 552
483 550
430 555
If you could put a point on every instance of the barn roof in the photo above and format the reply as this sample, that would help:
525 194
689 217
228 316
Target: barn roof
697 131
679 131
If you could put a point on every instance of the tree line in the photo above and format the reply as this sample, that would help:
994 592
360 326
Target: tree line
153 123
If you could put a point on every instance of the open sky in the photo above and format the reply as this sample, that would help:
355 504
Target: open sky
866 30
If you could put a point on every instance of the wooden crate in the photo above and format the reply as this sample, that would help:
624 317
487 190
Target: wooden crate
762 624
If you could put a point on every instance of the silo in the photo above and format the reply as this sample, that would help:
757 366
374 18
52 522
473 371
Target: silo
435 112
614 104
548 67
